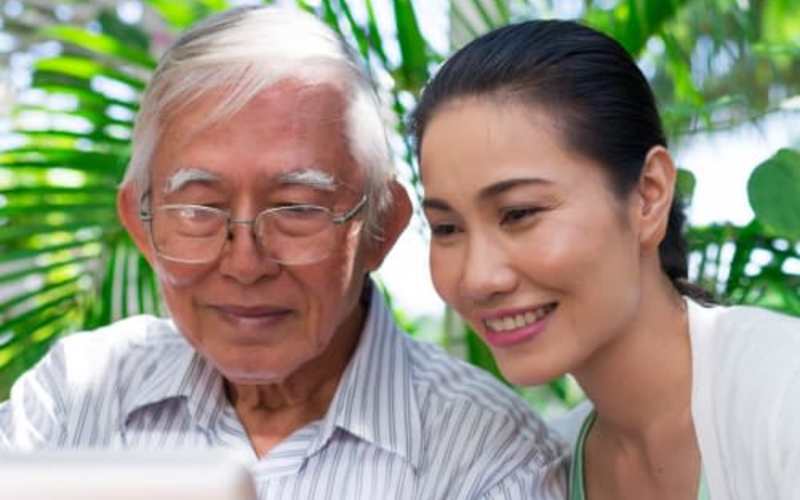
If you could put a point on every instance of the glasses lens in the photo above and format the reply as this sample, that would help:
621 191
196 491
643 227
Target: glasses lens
188 233
299 234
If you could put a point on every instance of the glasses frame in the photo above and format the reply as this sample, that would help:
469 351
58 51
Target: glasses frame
146 215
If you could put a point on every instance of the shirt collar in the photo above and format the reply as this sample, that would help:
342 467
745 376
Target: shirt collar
375 400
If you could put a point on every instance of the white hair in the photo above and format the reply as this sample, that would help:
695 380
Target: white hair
248 49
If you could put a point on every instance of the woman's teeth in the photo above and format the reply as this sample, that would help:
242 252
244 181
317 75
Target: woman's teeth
518 320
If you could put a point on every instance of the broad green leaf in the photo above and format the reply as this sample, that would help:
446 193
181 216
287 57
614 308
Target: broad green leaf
774 193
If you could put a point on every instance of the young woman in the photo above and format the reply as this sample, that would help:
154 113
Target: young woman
556 233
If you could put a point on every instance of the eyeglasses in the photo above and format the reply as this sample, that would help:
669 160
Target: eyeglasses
290 235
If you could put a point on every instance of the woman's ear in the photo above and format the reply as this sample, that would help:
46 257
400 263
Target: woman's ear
393 223
128 211
655 190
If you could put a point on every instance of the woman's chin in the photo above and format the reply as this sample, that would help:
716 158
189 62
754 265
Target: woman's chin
524 371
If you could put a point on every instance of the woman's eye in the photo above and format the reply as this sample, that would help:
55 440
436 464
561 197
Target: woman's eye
443 230
514 215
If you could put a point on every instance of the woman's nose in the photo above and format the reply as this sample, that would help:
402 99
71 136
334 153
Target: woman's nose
487 273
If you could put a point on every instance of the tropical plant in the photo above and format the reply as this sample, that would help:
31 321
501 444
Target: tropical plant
66 264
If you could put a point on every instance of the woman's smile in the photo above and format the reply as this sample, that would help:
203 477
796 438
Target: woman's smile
510 327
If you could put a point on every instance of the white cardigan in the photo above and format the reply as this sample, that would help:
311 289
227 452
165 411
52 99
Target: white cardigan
745 402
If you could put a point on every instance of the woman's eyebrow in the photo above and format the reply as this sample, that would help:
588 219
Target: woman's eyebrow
498 188
489 191
435 204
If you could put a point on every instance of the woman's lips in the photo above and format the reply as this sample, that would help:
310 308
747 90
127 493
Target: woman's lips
509 328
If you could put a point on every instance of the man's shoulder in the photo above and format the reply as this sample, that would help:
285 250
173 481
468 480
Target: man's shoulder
740 338
123 337
749 320
447 387
113 352
473 424
448 378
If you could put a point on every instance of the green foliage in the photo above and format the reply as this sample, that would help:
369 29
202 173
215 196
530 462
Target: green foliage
633 22
685 185
758 263
774 191
183 13
100 44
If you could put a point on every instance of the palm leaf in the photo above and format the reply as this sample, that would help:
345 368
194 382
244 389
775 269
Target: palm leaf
65 262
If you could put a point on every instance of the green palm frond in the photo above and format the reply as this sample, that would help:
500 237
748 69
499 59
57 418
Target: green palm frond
65 261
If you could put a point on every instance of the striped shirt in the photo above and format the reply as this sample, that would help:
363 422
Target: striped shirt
407 421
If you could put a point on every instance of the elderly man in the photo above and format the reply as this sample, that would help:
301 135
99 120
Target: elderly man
260 189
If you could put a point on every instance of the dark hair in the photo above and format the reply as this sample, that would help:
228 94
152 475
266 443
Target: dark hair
586 80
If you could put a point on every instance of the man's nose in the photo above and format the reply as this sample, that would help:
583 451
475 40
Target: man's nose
487 272
243 257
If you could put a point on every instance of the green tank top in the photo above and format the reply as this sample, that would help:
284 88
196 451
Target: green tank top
576 476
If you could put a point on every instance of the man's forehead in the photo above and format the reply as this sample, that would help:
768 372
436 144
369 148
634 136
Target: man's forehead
314 102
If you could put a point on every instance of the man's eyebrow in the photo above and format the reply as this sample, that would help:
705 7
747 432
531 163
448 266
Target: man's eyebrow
497 188
184 176
310 177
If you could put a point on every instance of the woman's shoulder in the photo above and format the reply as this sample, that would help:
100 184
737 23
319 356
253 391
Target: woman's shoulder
746 395
746 362
744 334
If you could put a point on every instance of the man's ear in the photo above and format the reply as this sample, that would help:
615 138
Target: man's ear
393 223
655 190
128 212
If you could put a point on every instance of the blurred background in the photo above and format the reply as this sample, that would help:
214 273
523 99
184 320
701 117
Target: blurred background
726 74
